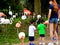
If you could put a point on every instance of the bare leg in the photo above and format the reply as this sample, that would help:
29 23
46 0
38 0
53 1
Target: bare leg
51 31
51 34
56 35
43 39
40 40
31 42
55 32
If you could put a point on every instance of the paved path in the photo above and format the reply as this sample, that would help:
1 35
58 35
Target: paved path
47 39
36 42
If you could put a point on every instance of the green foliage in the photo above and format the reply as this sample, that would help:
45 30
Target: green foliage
30 5
23 2
19 7
44 19
0 28
10 35
5 11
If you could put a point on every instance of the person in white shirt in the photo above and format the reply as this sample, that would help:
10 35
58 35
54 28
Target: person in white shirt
32 28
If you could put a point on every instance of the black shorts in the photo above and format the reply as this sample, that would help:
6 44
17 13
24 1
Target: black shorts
42 35
31 38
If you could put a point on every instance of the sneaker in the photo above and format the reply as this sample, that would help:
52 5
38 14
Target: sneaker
50 43
29 43
43 43
57 43
40 43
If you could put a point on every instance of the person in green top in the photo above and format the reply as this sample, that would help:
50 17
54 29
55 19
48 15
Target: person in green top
41 29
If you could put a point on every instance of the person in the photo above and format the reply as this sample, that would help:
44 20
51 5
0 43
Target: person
53 20
32 28
38 21
21 36
41 29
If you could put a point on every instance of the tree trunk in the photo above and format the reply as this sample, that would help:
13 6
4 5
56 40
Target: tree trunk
37 6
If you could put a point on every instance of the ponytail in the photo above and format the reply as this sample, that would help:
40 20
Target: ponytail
55 6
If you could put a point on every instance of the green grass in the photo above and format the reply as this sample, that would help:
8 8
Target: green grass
10 39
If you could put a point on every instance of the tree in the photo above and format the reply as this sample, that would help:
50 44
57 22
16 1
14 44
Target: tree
37 6
30 5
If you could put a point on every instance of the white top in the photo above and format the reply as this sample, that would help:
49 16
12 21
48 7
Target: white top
31 30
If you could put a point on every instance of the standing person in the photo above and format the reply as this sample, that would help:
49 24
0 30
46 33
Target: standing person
38 21
56 27
41 29
32 28
53 20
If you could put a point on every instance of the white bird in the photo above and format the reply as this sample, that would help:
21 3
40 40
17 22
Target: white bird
5 21
14 16
23 17
10 13
38 16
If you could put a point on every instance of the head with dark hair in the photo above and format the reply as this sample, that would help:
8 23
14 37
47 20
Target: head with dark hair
32 21
41 21
50 2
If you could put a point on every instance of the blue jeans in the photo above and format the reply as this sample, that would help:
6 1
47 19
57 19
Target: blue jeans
53 20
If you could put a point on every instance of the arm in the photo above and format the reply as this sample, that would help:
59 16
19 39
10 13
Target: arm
59 13
49 14
35 29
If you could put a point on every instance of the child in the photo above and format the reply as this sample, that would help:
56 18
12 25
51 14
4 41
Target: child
41 29
21 36
31 32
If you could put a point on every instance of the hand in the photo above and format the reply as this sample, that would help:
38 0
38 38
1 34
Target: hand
46 22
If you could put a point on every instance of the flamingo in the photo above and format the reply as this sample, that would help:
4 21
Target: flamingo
6 21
